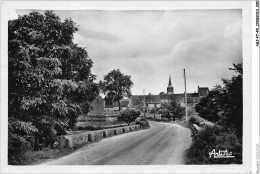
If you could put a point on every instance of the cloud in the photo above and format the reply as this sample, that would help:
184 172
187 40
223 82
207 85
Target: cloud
233 30
103 36
151 44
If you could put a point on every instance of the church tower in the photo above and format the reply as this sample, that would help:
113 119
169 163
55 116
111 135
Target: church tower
170 88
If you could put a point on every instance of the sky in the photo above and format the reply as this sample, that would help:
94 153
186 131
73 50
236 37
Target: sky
153 45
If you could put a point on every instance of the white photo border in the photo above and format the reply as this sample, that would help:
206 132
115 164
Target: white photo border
249 54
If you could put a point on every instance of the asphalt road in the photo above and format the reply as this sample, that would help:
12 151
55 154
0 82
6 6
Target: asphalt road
162 144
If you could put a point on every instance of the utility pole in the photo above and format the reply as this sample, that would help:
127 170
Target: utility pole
186 108
144 102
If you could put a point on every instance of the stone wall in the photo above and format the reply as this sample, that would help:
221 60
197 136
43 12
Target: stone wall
81 138
195 129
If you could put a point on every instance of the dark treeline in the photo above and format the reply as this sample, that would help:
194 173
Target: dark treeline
223 106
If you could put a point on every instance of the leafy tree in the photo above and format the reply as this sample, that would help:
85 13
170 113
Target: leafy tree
172 109
116 85
211 105
232 115
128 116
224 104
49 77
176 110
162 93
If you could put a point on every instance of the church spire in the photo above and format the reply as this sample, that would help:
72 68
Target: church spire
170 87
170 82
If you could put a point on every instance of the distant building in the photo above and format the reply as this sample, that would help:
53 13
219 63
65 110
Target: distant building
155 101
203 91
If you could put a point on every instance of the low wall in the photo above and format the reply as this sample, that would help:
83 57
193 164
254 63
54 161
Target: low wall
77 139
195 130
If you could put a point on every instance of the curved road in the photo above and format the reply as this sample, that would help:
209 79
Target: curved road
163 143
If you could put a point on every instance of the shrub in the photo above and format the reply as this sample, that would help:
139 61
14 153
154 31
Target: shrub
20 138
128 115
143 122
166 114
154 110
17 146
194 119
214 137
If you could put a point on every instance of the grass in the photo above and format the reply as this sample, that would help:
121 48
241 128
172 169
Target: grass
182 122
37 157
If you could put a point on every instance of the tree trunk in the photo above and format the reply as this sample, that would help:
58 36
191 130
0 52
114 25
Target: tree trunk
119 105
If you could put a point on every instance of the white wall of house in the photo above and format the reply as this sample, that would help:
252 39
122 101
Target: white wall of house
122 108
164 101
115 108
153 105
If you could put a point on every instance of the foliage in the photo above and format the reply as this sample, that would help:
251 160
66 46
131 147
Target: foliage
154 110
214 137
191 110
166 114
31 157
115 86
129 115
224 104
19 134
195 119
171 110
210 106
49 77
162 93
142 121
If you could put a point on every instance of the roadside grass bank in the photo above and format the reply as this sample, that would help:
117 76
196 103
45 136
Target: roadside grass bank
36 157
207 142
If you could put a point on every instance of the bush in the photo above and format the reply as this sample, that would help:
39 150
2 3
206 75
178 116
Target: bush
17 146
154 110
128 116
166 114
194 119
34 157
210 138
142 121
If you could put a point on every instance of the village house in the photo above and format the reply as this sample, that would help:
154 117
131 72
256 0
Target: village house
155 101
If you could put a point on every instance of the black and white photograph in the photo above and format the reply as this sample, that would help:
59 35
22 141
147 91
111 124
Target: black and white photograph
128 87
